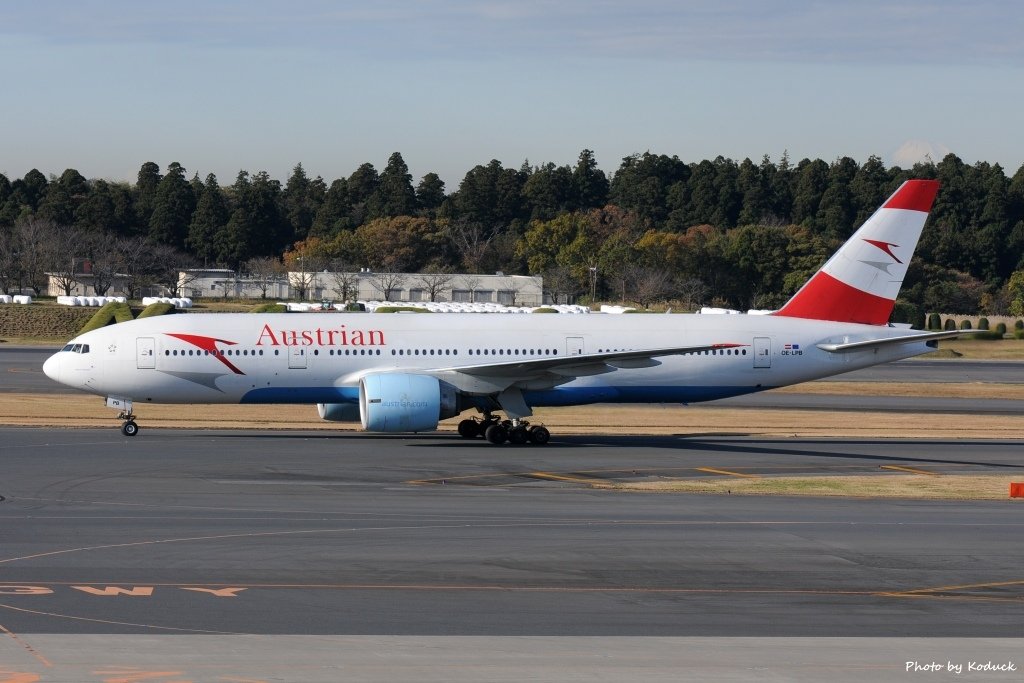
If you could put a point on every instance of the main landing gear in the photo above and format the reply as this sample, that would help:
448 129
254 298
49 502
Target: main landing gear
498 431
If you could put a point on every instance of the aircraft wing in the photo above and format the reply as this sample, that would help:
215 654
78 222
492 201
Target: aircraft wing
888 341
581 364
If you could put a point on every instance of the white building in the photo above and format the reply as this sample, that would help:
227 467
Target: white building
509 290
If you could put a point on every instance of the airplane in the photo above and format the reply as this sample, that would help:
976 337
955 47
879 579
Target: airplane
405 373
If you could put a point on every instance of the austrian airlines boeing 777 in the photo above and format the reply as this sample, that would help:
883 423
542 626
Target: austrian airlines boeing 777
404 373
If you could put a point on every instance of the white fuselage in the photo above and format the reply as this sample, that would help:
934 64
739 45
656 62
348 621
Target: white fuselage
320 357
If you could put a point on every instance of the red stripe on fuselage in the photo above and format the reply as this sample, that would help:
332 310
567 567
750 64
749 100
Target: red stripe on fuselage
826 298
208 344
914 195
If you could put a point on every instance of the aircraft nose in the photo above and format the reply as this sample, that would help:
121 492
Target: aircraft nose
52 367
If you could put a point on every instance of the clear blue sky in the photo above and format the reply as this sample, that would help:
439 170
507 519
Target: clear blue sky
102 86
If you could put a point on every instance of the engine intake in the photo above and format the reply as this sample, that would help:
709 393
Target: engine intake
394 402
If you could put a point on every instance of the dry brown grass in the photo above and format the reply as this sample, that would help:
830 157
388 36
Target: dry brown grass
948 487
979 349
972 390
89 411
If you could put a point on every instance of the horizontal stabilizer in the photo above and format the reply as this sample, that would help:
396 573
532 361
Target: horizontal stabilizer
890 341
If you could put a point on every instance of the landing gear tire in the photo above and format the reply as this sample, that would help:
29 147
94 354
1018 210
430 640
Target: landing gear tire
469 429
539 435
129 428
496 434
518 436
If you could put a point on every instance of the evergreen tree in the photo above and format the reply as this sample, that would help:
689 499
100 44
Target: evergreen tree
35 186
812 181
751 186
145 192
172 208
511 209
730 199
333 215
273 232
549 191
301 199
394 194
589 183
24 197
97 213
208 221
430 193
63 198
235 242
836 209
642 183
361 186
781 182
703 194
477 197
869 188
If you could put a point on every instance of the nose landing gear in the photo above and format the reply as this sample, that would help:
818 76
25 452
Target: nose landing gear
128 428
124 406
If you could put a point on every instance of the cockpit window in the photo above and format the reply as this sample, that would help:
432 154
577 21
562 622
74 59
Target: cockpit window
68 347
85 348
77 348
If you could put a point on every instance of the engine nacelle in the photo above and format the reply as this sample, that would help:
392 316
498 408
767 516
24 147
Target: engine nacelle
338 412
393 402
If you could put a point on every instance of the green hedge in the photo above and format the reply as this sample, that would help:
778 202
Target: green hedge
987 336
156 309
108 314
269 308
400 309
934 321
544 310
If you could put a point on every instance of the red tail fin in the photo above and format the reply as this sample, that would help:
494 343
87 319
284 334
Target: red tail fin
860 283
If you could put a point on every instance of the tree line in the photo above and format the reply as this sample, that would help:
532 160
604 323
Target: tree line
721 232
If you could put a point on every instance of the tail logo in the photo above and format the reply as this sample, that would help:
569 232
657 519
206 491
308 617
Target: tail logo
887 248
884 246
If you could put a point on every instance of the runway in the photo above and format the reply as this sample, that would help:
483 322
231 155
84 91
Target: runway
231 532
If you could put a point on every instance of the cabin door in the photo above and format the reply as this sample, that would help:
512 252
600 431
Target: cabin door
145 353
574 346
762 352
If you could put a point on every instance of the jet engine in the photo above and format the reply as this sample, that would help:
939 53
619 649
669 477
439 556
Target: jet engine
394 402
